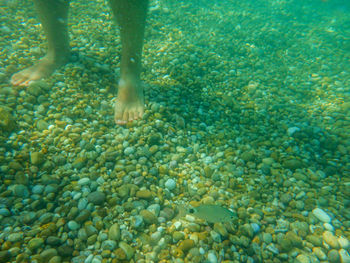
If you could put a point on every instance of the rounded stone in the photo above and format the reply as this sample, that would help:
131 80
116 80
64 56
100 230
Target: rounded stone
128 250
144 194
148 216
330 239
35 243
109 245
302 259
333 256
72 225
170 184
97 198
114 232
321 215
15 237
186 245
36 158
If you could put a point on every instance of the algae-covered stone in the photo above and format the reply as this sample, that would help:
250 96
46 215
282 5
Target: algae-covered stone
148 217
186 245
97 198
7 121
42 125
79 162
144 194
129 251
37 88
248 156
114 232
36 158
35 243
293 164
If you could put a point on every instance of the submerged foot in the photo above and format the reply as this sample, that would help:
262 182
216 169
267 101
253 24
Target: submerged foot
42 69
129 104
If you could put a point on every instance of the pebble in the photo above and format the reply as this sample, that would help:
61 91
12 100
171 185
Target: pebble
170 184
302 259
21 190
15 237
35 243
318 252
97 198
72 225
84 181
330 239
186 245
129 150
4 212
144 194
114 232
47 254
109 244
148 217
128 250
212 258
343 242
38 189
333 256
321 215
36 158
344 256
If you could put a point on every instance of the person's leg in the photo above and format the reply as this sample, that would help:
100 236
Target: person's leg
53 15
131 17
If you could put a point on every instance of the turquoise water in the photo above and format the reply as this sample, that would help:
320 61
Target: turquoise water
246 108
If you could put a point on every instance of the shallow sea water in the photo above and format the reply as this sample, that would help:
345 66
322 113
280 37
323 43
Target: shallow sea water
247 109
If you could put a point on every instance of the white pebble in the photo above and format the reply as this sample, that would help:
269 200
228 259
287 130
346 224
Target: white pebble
343 242
212 257
321 215
177 225
170 184
328 227
344 256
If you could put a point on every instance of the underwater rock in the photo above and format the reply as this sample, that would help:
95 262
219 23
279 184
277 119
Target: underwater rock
7 121
293 164
42 125
97 197
36 158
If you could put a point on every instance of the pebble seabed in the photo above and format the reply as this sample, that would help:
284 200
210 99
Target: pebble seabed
246 108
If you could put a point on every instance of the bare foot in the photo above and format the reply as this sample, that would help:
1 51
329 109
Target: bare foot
43 68
129 105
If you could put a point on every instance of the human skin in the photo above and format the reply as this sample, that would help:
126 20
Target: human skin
131 17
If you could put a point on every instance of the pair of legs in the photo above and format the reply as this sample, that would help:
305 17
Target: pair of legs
131 17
